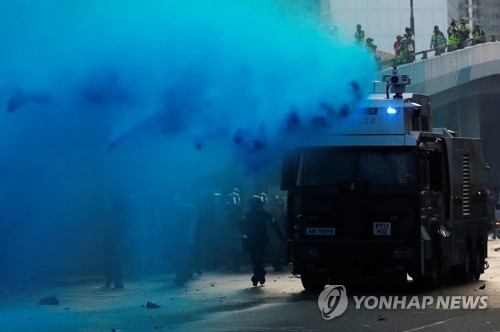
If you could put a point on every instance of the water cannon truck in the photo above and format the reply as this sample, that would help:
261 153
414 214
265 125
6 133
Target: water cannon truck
385 196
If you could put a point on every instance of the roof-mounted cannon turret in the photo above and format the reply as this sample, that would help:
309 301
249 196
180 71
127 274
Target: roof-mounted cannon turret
397 83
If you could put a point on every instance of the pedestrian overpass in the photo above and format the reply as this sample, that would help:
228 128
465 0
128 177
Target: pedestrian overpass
464 90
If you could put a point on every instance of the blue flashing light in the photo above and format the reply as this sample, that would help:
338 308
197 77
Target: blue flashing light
391 110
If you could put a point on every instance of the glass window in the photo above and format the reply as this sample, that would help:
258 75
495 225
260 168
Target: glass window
333 166
325 167
386 168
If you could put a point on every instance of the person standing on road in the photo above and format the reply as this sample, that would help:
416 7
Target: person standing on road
255 240
184 257
234 213
491 205
115 232
277 208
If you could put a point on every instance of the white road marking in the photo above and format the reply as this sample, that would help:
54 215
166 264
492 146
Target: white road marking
430 325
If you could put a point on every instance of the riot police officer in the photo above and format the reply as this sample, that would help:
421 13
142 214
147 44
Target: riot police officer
234 213
255 240
115 238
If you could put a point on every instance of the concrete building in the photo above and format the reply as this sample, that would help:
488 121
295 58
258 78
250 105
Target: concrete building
486 12
383 20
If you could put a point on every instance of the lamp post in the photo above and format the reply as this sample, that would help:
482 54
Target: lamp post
412 19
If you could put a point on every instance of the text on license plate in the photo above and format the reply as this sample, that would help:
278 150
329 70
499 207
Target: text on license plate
320 231
382 228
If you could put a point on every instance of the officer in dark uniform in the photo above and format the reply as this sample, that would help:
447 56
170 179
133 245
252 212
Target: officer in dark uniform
234 213
254 226
186 256
115 234
491 206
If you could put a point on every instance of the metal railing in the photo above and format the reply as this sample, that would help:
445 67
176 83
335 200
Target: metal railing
411 57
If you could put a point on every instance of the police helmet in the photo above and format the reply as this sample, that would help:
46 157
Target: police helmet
232 199
263 196
256 202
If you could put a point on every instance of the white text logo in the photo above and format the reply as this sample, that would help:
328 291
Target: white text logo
333 301
415 302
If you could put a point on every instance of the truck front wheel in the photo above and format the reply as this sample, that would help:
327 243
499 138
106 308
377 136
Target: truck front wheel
468 266
433 279
313 283
478 262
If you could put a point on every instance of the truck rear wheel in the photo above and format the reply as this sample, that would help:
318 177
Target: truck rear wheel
313 283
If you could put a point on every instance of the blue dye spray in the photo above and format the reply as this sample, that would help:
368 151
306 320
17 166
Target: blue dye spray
137 97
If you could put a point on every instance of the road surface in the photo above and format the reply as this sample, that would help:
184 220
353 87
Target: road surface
218 301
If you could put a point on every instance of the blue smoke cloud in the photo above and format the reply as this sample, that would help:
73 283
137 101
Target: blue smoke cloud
154 94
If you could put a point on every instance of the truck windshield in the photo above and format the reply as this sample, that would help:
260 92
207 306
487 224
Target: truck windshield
373 166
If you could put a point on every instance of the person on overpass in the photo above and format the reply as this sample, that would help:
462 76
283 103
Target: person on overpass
478 36
359 35
452 36
397 45
438 41
411 42
371 47
463 33
403 54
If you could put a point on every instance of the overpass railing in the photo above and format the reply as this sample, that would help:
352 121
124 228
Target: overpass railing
411 57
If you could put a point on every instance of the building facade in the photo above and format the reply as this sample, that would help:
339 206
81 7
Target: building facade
383 20
486 12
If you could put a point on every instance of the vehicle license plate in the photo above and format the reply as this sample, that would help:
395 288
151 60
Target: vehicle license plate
320 231
381 228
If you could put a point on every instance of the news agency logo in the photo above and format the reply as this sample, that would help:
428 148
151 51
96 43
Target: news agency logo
333 302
